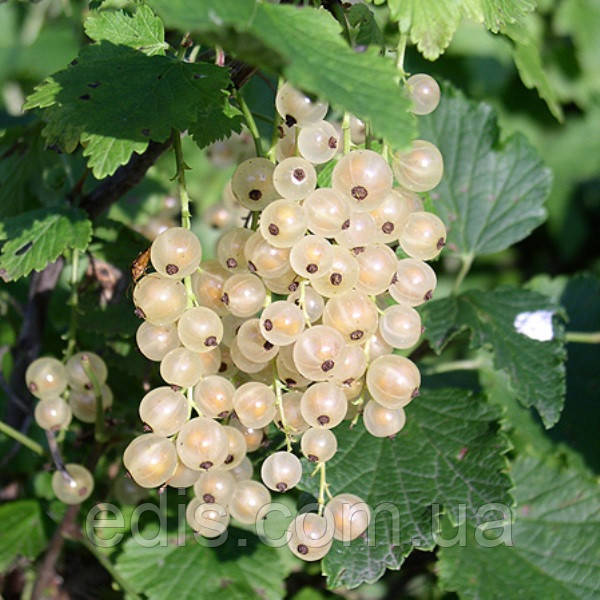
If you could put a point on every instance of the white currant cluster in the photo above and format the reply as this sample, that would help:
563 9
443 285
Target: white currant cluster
65 390
290 327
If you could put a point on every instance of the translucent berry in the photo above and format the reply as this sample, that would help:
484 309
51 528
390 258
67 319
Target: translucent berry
176 253
419 169
364 177
74 486
318 143
294 178
252 183
283 223
46 377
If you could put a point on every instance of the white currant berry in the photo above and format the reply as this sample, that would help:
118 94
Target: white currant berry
154 341
318 143
252 183
294 178
424 92
393 380
414 283
164 410
46 377
74 486
176 253
381 421
159 300
281 471
310 536
419 169
296 108
423 235
364 177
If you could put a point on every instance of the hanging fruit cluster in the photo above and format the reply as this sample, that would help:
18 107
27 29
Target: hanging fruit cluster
291 327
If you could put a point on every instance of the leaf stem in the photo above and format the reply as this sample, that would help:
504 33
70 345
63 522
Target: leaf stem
105 562
583 337
250 122
100 425
400 52
465 267
21 438
346 132
456 365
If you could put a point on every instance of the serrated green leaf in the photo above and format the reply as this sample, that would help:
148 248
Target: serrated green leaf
555 536
296 41
495 320
38 237
368 33
143 30
216 122
156 94
431 24
527 57
449 453
492 194
22 531
243 564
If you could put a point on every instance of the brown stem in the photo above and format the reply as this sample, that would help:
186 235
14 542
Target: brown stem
47 572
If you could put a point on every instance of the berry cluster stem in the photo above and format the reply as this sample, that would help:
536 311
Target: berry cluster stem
57 458
250 122
278 386
71 335
21 438
302 301
323 486
184 198
400 52
346 134
275 136
100 429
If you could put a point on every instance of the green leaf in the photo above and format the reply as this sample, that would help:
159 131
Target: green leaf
294 41
555 550
526 54
368 32
38 237
449 453
143 31
431 24
156 94
243 565
22 531
536 368
216 122
492 193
